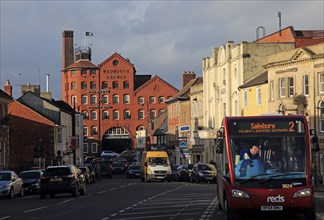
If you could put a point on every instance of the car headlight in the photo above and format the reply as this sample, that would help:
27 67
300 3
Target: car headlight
35 184
240 194
303 193
200 174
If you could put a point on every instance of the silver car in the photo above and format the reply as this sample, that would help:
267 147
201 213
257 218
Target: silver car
10 184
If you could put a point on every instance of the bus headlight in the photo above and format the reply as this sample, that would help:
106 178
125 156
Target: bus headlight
303 193
240 194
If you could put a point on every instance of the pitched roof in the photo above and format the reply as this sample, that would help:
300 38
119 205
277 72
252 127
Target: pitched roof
259 79
82 64
184 92
3 94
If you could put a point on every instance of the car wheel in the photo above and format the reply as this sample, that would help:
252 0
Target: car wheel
310 214
52 195
21 193
75 192
11 194
42 195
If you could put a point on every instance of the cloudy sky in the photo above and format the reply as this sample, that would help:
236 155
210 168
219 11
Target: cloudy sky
163 38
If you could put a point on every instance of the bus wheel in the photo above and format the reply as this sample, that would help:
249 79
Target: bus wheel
310 214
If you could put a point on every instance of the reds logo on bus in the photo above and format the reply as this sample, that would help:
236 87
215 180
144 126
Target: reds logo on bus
277 198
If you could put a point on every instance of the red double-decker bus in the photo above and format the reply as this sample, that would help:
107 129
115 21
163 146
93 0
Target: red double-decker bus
264 166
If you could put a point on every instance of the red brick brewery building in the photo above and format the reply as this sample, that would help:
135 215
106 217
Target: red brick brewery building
114 101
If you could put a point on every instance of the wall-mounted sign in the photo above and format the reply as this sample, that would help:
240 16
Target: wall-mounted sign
185 128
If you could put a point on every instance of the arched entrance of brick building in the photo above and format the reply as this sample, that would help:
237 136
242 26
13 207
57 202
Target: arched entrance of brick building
116 139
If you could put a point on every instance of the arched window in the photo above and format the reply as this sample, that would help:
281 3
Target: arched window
93 85
115 99
127 114
115 85
104 85
126 84
105 115
126 99
282 109
85 114
141 114
105 99
83 85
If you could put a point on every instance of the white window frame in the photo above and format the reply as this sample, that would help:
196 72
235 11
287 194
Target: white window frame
94 147
141 114
152 99
282 87
85 131
126 99
116 115
85 147
321 116
93 99
84 99
105 99
258 96
305 85
321 83
291 86
140 100
115 99
245 98
93 115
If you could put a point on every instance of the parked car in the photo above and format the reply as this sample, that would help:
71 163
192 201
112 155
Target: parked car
203 172
10 184
105 168
92 172
89 159
174 168
118 168
133 170
122 160
86 173
62 179
109 153
31 180
185 173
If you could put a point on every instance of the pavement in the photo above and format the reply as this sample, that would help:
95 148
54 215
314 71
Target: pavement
319 201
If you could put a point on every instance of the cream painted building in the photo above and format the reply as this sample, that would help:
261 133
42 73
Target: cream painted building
196 146
254 95
296 85
228 68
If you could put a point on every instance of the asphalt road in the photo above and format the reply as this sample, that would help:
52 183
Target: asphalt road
121 198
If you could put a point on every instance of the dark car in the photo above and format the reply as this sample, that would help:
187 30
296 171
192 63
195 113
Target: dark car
133 171
118 168
185 173
31 180
86 173
91 171
62 179
105 168
203 172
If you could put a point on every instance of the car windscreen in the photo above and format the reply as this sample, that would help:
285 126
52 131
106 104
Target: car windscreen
5 177
30 175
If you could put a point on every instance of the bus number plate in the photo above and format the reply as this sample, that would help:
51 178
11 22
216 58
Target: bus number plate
271 208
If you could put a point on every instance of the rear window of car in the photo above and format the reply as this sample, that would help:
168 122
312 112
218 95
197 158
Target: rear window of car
62 171
30 175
